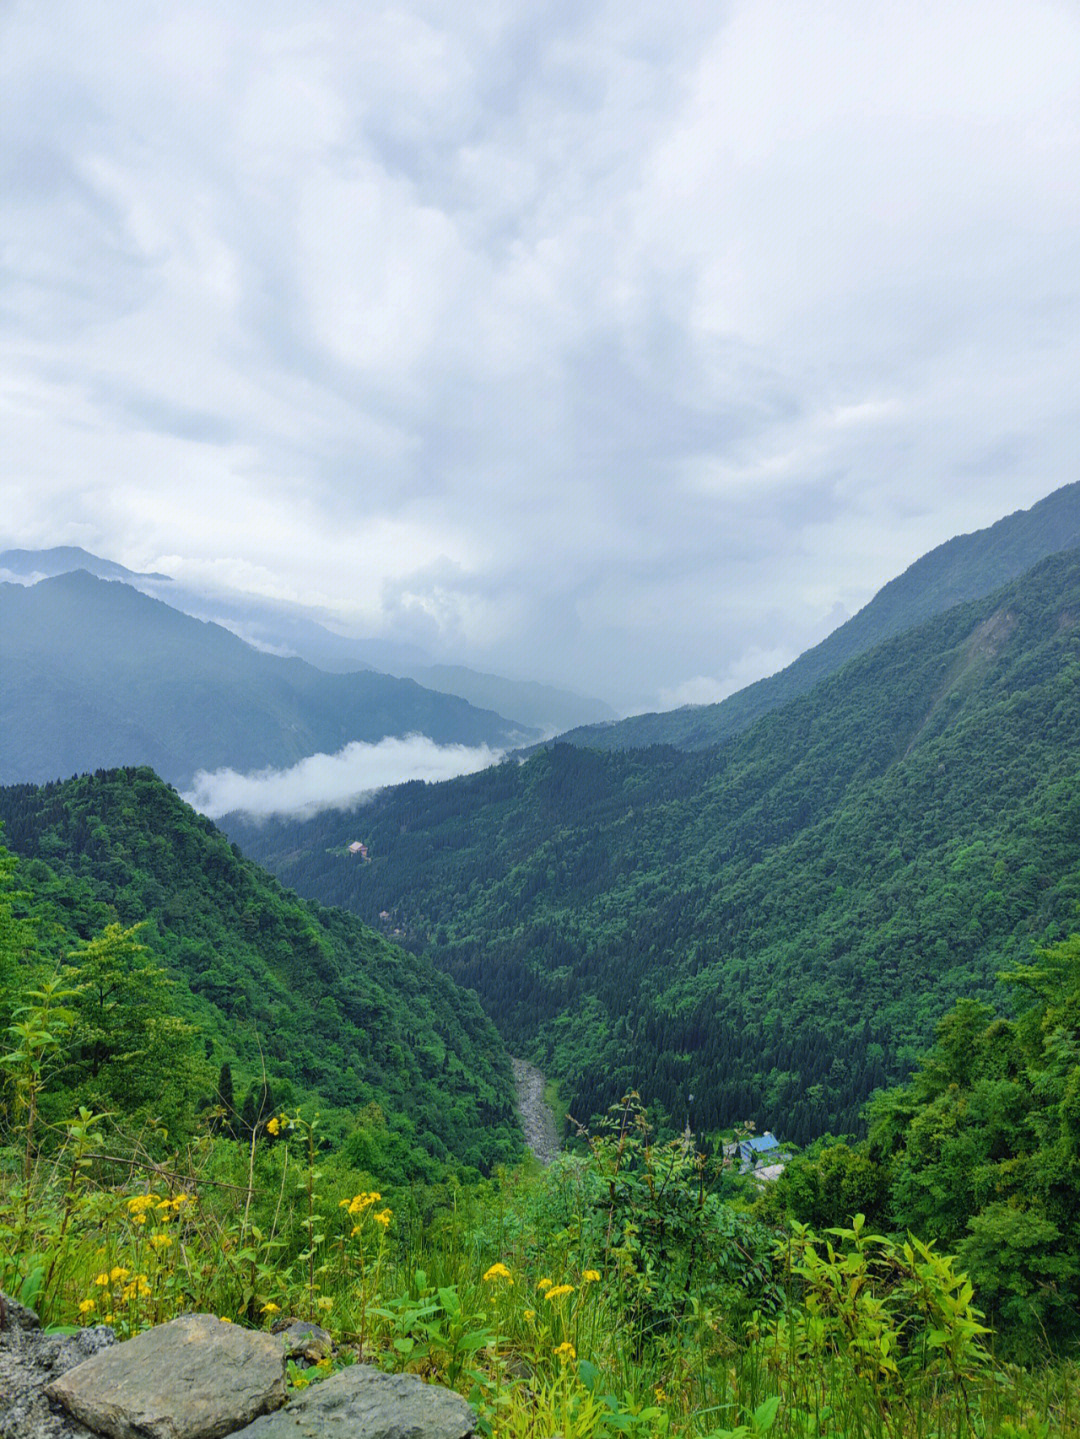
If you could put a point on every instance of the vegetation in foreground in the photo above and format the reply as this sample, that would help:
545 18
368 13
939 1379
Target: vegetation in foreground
614 1293
632 1288
611 1294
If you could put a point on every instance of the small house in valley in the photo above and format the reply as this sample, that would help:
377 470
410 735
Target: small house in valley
763 1154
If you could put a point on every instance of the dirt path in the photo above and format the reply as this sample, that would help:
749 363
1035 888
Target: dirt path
537 1119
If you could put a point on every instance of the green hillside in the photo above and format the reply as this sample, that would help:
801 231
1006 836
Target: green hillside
773 926
336 1014
97 674
964 568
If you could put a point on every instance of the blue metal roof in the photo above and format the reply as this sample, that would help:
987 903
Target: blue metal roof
762 1142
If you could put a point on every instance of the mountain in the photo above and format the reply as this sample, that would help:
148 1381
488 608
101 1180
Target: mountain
282 628
98 674
772 926
964 568
29 566
542 706
334 1012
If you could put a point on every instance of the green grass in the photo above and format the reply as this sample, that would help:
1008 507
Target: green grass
451 1284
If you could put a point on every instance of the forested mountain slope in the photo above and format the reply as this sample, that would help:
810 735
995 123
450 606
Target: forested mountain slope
964 568
334 1011
97 674
772 926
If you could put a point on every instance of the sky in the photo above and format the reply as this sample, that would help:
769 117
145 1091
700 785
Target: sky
630 347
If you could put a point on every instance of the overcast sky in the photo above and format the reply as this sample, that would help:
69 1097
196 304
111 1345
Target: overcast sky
628 346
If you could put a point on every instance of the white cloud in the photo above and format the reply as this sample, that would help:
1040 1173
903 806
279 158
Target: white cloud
755 664
334 781
606 343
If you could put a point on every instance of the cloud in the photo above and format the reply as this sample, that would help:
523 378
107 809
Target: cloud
755 664
334 781
600 343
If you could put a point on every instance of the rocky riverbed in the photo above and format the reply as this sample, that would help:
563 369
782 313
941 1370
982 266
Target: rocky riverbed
537 1120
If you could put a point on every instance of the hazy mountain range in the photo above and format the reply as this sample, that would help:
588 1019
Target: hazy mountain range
772 925
97 674
285 629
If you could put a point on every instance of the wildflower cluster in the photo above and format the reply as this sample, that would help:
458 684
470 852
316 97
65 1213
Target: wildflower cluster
121 1287
118 1293
361 1203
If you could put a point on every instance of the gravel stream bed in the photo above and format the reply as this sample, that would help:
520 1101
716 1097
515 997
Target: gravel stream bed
537 1120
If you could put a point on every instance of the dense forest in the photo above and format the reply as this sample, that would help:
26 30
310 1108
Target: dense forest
774 926
219 1097
293 1002
981 1149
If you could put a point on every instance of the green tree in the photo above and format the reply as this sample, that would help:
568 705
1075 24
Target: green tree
127 1052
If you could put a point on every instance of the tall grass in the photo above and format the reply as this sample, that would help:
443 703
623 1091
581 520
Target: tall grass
491 1289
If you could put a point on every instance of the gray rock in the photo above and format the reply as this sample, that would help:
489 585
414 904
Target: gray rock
303 1340
362 1403
29 1359
14 1315
196 1378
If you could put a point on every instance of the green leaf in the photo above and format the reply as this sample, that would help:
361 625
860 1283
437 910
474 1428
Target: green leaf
765 1415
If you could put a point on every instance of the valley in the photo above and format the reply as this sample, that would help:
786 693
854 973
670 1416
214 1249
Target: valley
775 925
851 921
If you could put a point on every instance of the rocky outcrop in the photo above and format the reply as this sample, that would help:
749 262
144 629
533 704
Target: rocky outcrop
29 1360
196 1378
362 1403
200 1378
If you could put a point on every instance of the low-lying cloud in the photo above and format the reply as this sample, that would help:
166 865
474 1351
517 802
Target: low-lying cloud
334 781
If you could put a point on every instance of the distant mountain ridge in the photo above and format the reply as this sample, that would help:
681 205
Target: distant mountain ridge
963 568
278 627
98 675
32 565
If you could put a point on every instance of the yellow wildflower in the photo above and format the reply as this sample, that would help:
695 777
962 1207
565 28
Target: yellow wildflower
137 1289
224 1319
558 1292
161 1241
142 1202
102 1278
274 1126
565 1352
661 1397
87 1306
499 1271
383 1217
359 1202
530 1315
139 1219
119 1273
591 1276
109 1318
270 1308
544 1284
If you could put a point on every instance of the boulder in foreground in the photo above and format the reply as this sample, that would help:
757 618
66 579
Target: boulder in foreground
362 1403
196 1378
